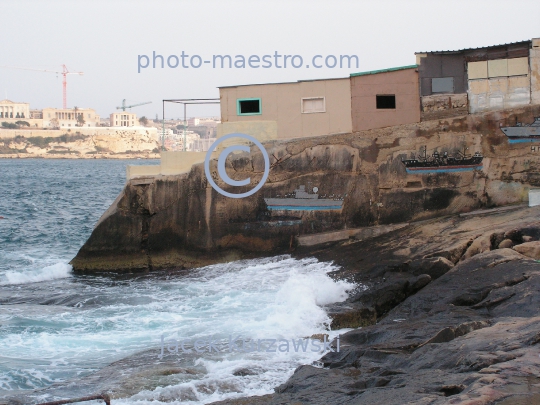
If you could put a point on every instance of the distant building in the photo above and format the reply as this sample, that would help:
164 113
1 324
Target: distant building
193 122
69 117
10 109
208 122
36 114
123 119
482 79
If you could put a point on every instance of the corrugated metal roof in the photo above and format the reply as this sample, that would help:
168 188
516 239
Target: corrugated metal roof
480 47
374 72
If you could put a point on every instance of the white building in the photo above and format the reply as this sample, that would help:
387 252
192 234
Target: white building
10 109
124 119
70 117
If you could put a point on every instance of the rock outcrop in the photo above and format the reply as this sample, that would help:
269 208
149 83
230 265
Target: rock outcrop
181 221
469 335
80 143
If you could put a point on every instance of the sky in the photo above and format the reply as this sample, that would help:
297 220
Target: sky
106 40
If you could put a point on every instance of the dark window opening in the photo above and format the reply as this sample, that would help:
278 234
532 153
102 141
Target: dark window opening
386 102
249 106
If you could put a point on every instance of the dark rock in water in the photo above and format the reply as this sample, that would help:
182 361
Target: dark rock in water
351 316
244 371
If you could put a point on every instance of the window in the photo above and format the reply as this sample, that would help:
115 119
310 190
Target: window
386 102
248 106
442 85
313 105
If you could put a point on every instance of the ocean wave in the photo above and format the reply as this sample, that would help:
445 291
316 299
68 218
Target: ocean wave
52 272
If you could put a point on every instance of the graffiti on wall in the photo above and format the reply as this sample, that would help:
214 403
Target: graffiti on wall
521 133
445 163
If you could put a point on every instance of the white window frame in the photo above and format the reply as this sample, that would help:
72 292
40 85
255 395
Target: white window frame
312 98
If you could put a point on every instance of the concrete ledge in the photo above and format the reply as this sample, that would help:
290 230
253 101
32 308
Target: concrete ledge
179 162
493 210
171 163
142 171
357 234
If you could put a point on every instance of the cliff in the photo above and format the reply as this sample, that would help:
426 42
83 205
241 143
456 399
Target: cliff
181 221
77 143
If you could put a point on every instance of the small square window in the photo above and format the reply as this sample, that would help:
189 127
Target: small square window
313 105
442 85
248 106
386 102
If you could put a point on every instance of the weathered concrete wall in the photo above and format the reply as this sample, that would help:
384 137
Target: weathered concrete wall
175 221
499 93
282 102
135 171
364 89
261 130
439 102
535 71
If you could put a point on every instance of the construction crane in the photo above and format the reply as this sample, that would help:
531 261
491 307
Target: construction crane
64 72
124 106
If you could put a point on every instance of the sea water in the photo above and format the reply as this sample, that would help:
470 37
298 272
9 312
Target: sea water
57 327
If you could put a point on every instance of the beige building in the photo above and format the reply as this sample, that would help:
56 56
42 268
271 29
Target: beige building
300 109
366 100
69 117
17 111
383 98
123 119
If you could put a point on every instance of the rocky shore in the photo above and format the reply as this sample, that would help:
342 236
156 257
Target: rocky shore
451 315
447 311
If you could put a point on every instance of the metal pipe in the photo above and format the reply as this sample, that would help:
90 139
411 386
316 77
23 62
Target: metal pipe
163 132
104 397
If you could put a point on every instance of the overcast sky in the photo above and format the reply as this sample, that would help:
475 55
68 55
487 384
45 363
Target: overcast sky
104 39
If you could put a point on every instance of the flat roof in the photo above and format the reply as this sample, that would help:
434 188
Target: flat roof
374 72
298 81
480 47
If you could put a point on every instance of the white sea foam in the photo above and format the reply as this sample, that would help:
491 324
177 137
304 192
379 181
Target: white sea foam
52 272
278 297
285 298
